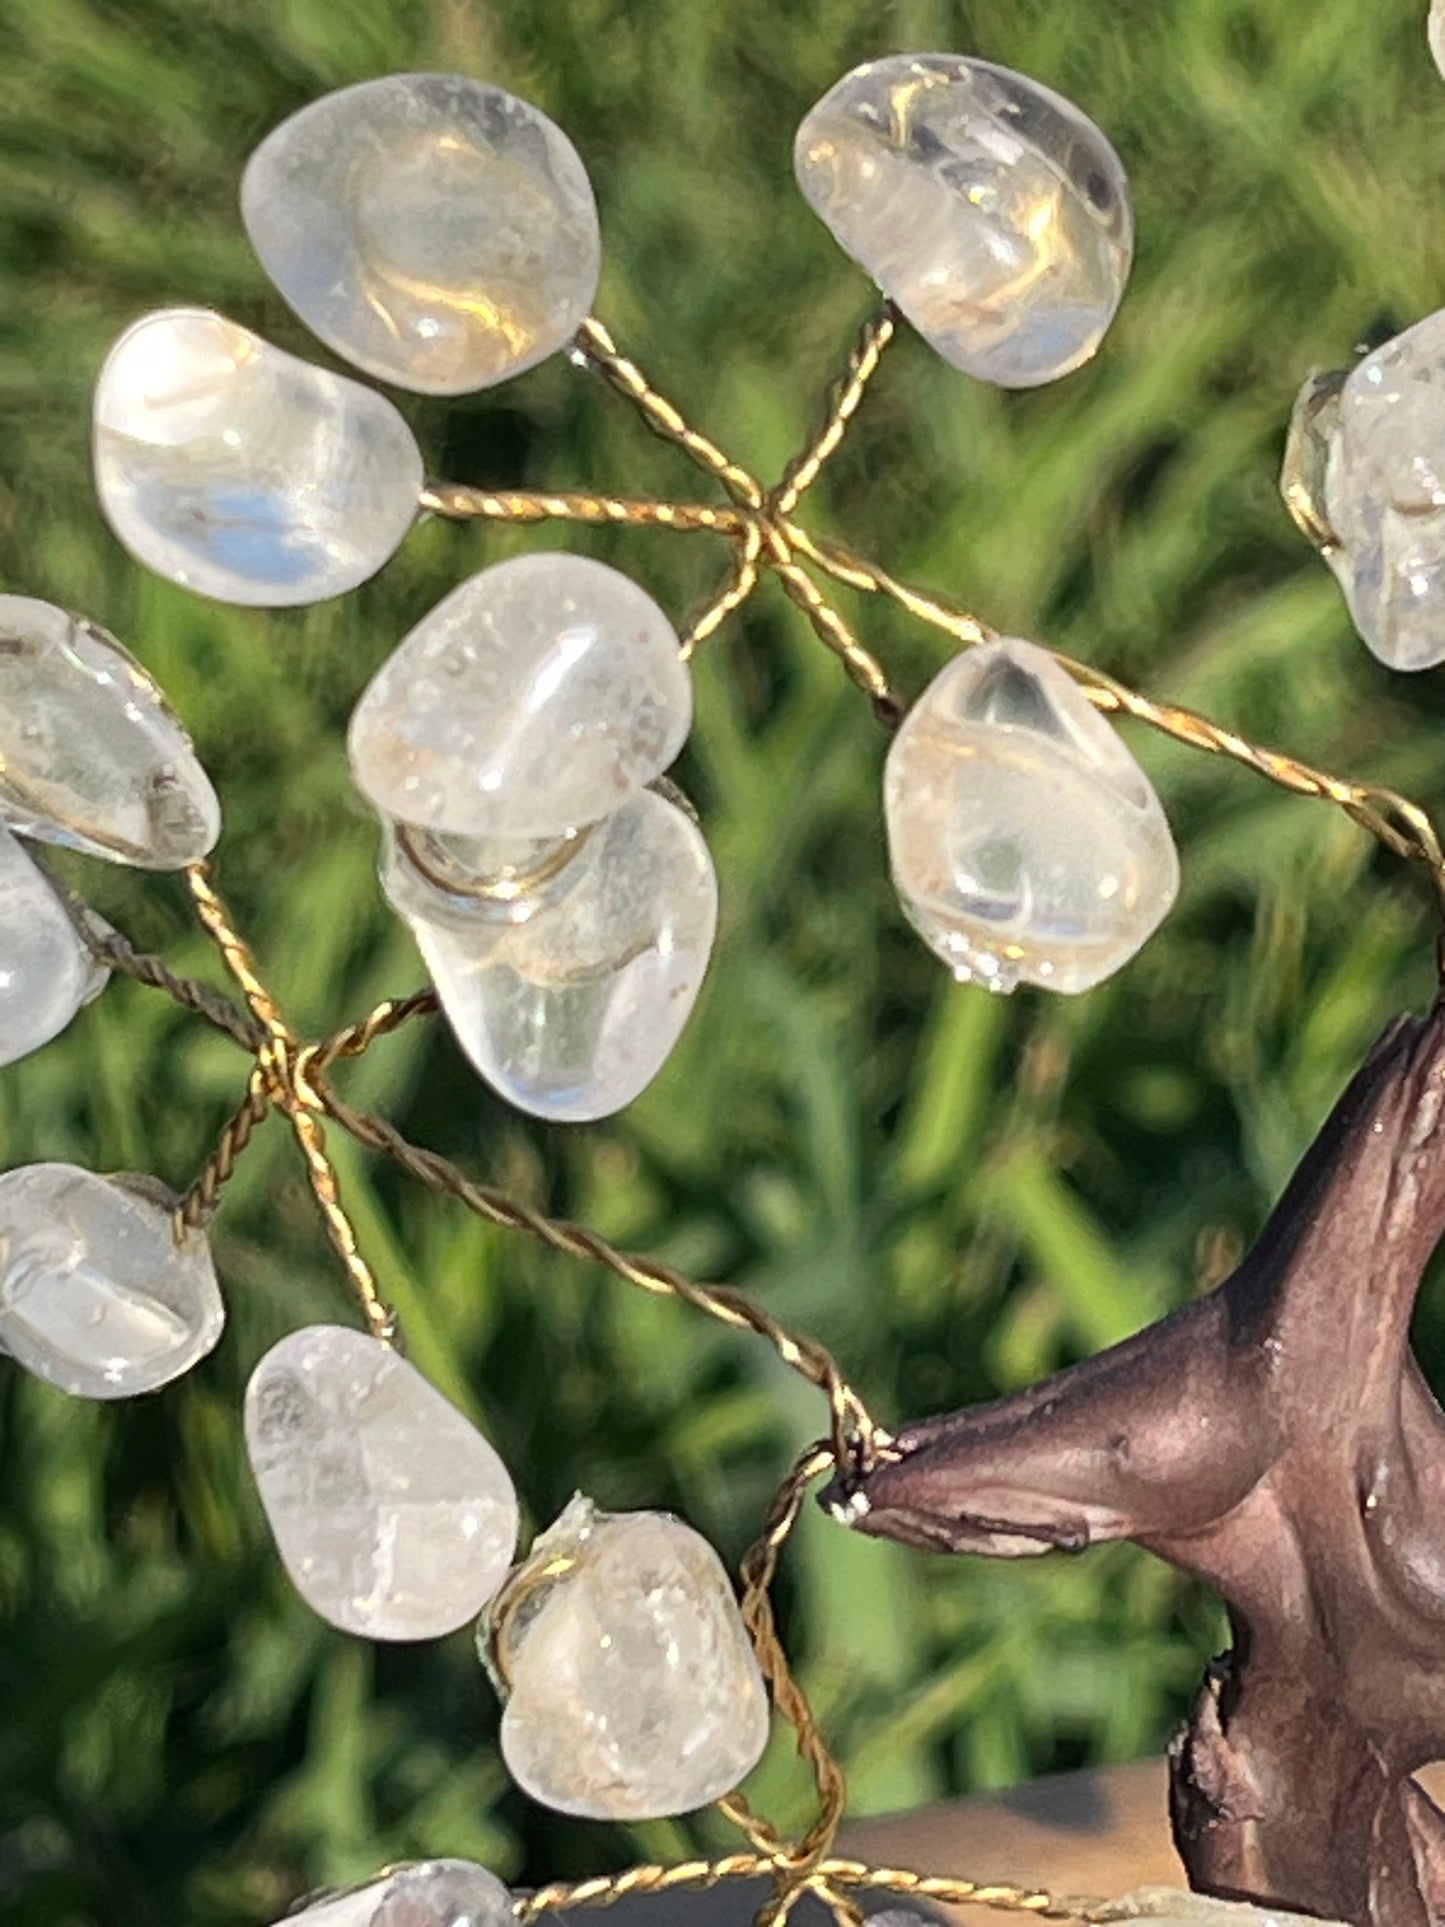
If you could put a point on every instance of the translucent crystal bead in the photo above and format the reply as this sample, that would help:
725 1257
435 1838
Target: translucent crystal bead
993 212
96 1294
428 1893
46 972
632 1691
432 229
1385 496
569 994
1027 844
91 754
238 471
535 698
392 1514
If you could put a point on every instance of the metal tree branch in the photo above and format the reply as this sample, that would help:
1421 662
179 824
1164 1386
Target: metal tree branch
1278 1440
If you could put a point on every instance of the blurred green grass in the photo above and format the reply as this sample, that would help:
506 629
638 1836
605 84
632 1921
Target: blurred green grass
956 1194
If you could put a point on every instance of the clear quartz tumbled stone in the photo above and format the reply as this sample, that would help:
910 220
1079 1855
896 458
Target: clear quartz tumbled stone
1437 33
97 1295
241 472
393 1515
632 1691
46 971
536 697
432 229
1027 844
427 1893
992 211
1385 496
569 996
91 754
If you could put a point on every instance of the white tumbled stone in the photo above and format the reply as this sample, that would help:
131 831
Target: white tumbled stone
432 229
1175 1907
632 1690
241 472
1437 33
393 1515
91 754
992 211
535 698
1027 844
1385 496
97 1295
568 998
46 971
427 1893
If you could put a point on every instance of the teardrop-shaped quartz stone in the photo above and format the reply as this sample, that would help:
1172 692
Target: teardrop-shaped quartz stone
239 471
432 229
46 971
538 696
1027 844
992 211
392 1514
632 1691
427 1893
96 1293
1385 496
91 754
570 1011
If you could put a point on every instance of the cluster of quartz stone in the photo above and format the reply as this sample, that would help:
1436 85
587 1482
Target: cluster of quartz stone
441 235
630 1688
99 1293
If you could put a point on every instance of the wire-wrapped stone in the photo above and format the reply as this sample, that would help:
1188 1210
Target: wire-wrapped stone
393 1515
631 1689
991 210
569 992
535 698
91 753
1027 844
241 472
432 229
100 1292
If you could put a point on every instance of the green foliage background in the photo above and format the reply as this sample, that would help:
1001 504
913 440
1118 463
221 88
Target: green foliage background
956 1193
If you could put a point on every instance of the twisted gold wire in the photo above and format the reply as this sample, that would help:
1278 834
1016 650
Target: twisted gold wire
459 503
276 1065
856 1432
596 346
603 1889
199 1205
808 464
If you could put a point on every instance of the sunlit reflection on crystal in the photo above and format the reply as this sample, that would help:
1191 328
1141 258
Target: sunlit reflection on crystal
992 211
1027 844
633 1692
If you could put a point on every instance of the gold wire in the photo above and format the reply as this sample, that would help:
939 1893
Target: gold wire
596 346
806 466
276 1065
459 503
857 1436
